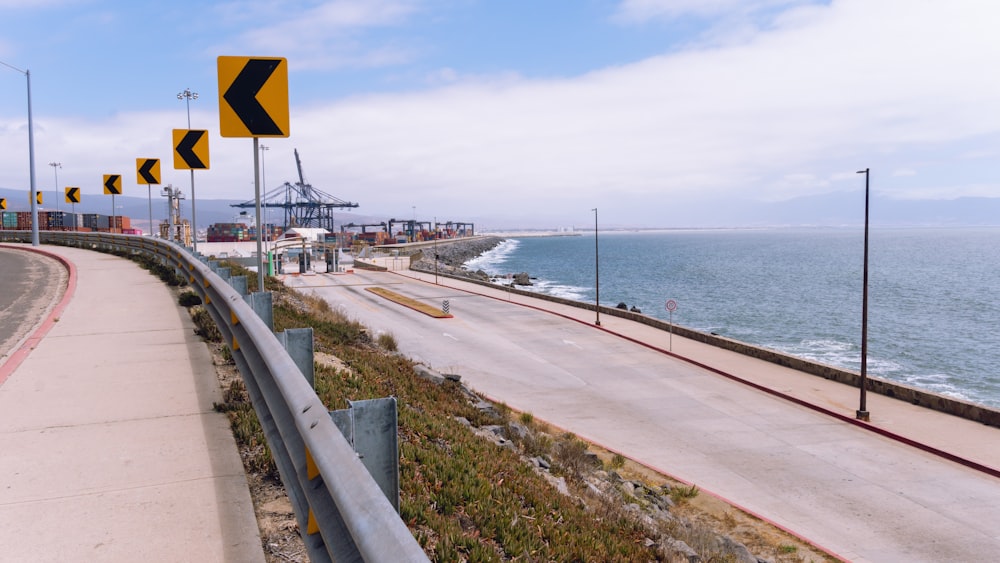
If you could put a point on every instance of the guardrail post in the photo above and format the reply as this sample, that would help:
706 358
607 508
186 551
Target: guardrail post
262 304
224 273
371 429
298 342
239 283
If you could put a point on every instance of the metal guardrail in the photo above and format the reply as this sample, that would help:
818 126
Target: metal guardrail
337 503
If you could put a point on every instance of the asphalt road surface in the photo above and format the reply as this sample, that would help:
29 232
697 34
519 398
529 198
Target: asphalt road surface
863 496
31 284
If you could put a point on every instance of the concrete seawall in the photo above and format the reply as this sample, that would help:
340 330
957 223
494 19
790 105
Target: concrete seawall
913 395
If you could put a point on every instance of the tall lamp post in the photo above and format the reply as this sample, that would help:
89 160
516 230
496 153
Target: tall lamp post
55 168
31 158
187 95
597 271
862 413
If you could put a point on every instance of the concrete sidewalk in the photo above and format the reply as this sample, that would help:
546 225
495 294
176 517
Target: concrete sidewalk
111 449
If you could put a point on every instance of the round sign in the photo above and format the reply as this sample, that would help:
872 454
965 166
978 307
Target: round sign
671 305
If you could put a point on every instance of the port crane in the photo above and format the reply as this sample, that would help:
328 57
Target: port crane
301 204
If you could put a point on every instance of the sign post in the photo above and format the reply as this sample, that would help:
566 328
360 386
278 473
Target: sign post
191 153
671 307
253 102
73 197
113 186
147 171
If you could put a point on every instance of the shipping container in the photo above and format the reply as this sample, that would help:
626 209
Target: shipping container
93 220
9 220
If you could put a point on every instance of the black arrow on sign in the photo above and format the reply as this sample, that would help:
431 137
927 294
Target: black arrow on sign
110 184
185 149
242 97
73 195
146 171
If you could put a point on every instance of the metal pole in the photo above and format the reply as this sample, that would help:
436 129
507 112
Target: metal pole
435 250
256 188
863 413
194 216
31 167
597 272
187 95
149 188
263 180
55 168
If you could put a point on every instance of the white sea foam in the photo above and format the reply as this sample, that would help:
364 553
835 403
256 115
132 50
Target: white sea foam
492 260
559 290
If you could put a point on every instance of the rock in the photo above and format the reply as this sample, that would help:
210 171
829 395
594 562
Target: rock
621 305
558 482
517 429
677 547
732 547
541 463
635 309
522 279
463 421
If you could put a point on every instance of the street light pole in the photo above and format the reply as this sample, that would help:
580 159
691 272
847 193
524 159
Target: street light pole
55 168
597 271
187 95
862 413
31 159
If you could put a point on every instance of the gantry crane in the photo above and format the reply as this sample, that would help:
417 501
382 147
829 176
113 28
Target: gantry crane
302 204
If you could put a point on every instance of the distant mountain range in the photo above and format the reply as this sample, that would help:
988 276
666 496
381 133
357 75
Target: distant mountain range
823 210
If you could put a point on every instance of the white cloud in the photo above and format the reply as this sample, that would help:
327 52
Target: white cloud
895 85
323 36
644 10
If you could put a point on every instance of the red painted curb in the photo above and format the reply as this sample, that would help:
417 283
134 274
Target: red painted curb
19 355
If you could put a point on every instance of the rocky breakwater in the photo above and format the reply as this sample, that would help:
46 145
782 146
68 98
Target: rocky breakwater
451 255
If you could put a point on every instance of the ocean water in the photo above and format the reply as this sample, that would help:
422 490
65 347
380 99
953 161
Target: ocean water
933 306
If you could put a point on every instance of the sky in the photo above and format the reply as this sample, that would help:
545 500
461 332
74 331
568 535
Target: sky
526 113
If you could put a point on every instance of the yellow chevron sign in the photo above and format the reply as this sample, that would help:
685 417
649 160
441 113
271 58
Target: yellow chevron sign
112 184
3 203
253 96
72 194
147 171
190 149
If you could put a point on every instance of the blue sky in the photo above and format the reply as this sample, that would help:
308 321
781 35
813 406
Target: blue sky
526 113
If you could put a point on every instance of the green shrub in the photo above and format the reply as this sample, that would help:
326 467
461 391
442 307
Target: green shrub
189 299
205 327
682 494
387 341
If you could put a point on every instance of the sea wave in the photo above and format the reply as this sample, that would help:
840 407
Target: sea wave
492 260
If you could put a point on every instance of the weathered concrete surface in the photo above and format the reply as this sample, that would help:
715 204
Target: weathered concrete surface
111 448
32 283
851 490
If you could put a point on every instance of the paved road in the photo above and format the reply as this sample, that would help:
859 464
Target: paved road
31 284
863 496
